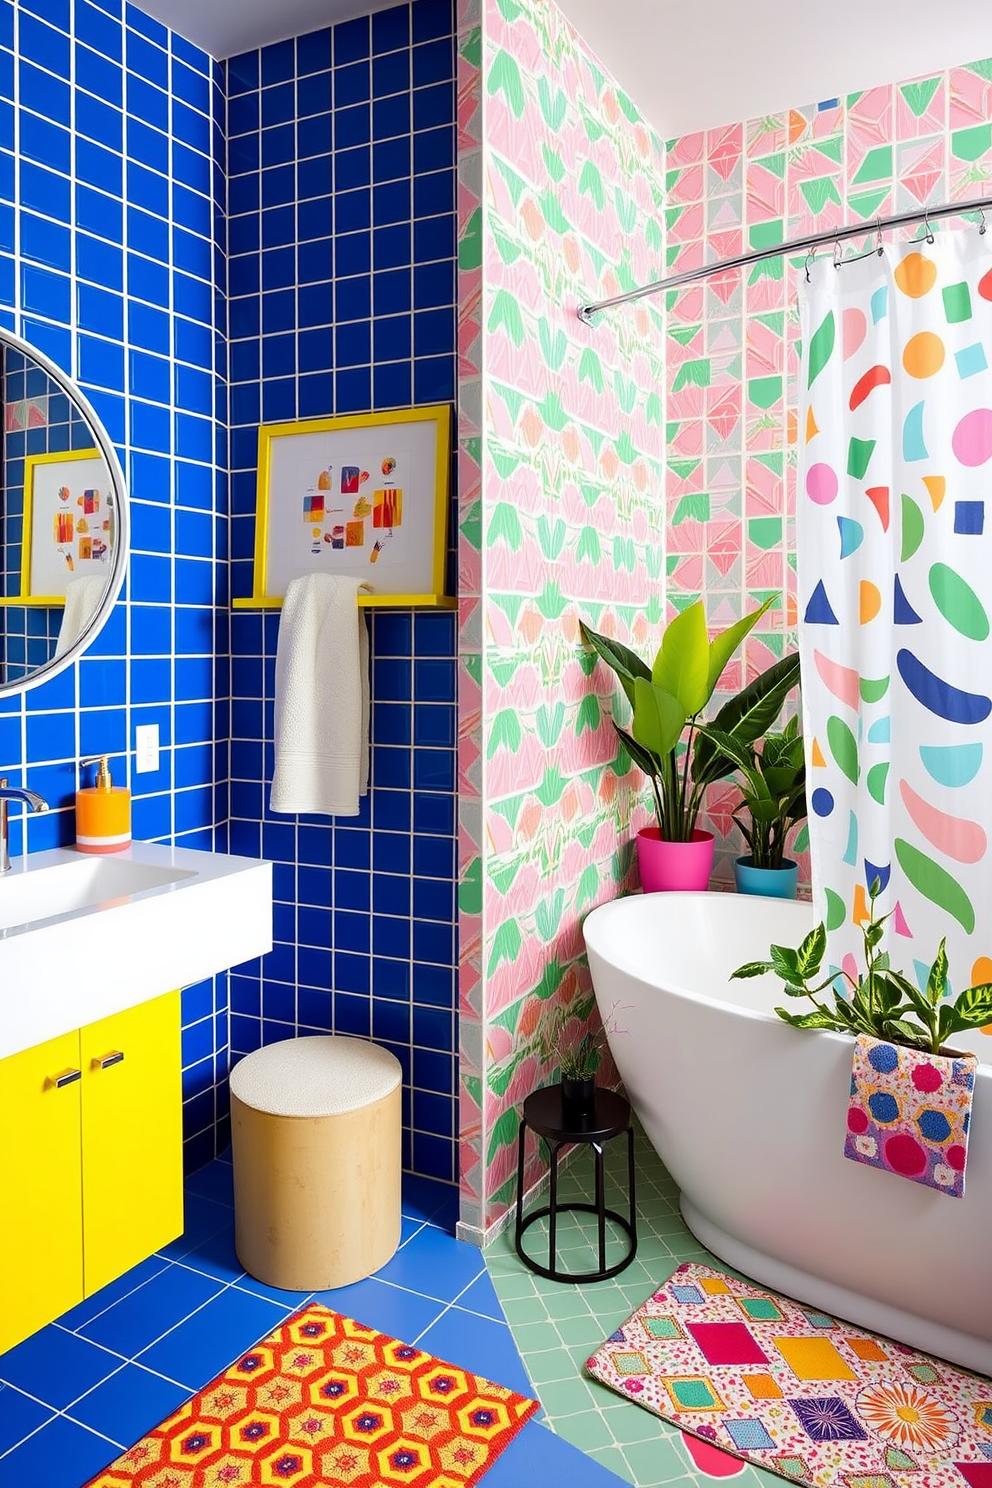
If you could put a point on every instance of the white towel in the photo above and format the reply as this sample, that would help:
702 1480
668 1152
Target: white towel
82 600
322 699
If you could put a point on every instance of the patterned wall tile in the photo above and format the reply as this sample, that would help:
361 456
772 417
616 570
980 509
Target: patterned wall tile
572 480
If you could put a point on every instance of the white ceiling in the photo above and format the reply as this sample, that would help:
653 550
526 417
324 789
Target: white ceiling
687 64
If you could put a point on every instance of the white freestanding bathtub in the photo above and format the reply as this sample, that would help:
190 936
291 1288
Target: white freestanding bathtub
748 1116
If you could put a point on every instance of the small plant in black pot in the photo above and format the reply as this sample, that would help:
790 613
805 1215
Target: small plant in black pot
577 1061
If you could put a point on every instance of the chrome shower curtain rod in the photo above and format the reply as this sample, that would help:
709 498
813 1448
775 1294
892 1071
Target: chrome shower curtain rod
795 245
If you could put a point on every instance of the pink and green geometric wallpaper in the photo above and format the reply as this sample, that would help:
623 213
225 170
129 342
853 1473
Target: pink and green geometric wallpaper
616 473
561 520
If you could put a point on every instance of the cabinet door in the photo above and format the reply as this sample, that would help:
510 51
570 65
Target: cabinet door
41 1241
132 1138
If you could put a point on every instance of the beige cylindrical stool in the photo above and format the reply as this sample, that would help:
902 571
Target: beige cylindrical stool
315 1136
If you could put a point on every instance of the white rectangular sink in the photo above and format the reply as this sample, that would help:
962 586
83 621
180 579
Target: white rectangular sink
35 894
82 937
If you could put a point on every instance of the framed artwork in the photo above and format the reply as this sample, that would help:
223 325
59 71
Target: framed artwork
68 530
364 495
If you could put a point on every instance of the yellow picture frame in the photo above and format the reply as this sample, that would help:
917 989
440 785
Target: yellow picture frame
421 504
39 505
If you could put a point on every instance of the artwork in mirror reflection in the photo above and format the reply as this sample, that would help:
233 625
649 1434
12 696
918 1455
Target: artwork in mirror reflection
58 527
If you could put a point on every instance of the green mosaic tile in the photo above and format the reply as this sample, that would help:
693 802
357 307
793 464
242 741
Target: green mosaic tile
558 1325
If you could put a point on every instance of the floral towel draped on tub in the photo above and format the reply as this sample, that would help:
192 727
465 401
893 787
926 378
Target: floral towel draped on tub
910 1113
894 537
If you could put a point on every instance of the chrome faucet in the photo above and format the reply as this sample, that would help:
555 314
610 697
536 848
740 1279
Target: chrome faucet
10 793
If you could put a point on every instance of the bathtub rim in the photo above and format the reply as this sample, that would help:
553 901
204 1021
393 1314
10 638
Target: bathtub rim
687 994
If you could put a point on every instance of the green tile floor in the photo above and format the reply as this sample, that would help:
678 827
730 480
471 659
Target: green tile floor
558 1325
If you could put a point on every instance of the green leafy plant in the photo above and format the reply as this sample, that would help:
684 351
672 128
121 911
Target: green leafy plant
576 1059
668 699
773 790
882 1003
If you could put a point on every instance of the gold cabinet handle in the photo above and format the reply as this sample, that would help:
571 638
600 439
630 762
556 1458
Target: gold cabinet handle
65 1077
116 1056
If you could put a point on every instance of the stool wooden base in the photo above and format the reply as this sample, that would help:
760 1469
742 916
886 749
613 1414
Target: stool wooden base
317 1199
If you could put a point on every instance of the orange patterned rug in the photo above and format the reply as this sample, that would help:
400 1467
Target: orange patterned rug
323 1402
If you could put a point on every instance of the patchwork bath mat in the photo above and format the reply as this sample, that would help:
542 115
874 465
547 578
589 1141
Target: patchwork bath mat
797 1392
324 1402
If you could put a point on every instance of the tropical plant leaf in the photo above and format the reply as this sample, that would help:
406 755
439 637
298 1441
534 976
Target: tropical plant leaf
681 666
659 717
751 969
747 716
811 951
785 962
908 1033
643 758
723 646
974 1006
819 1018
626 663
937 980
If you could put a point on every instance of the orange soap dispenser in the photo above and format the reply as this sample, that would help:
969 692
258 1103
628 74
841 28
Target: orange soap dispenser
103 812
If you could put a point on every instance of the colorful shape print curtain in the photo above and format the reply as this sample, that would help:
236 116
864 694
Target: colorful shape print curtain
894 536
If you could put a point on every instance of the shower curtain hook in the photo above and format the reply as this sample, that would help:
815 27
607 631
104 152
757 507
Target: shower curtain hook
878 236
811 260
926 224
838 254
982 226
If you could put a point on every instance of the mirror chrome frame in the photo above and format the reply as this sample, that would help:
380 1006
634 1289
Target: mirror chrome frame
122 517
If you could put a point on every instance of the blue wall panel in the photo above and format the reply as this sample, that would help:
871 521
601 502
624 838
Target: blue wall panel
341 257
111 200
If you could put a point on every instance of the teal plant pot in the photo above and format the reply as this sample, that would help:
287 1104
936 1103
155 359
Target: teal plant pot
771 883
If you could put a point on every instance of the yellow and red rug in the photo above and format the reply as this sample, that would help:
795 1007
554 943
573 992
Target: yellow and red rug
323 1402
795 1391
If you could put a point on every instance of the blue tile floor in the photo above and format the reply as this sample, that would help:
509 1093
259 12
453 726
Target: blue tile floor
76 1394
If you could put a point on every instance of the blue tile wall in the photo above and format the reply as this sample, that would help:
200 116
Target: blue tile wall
112 193
341 262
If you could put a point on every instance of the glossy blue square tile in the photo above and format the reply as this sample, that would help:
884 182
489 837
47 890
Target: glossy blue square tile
433 149
243 73
208 1341
130 1325
433 61
129 1404
436 1265
278 62
46 45
313 90
538 1455
60 1455
315 177
56 1367
315 218
19 1417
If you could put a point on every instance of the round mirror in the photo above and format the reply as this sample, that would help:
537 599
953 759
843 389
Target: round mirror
63 539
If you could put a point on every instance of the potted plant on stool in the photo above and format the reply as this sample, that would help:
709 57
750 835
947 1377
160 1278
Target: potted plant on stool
773 798
577 1060
667 699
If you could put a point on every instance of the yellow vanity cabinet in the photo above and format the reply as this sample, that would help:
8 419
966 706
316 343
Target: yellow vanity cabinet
41 1249
90 1160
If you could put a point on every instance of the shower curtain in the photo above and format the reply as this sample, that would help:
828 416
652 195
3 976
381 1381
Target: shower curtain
894 539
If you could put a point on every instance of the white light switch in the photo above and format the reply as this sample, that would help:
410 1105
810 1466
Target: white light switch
145 748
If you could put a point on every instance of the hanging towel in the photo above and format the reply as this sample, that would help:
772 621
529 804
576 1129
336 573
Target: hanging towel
322 699
82 600
910 1112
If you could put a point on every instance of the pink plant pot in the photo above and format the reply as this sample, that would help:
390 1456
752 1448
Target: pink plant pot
674 865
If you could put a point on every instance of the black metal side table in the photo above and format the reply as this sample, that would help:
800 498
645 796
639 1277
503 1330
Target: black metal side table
545 1115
